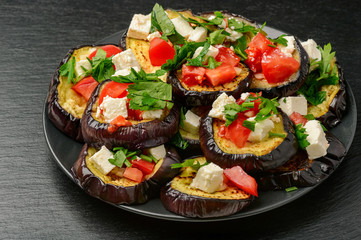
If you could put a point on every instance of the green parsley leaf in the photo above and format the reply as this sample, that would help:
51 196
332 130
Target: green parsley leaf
241 26
212 63
217 37
280 40
310 116
119 158
189 163
240 46
301 136
182 117
68 69
251 125
198 61
290 189
102 67
141 76
231 110
178 141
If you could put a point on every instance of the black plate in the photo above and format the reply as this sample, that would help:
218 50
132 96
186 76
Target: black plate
66 151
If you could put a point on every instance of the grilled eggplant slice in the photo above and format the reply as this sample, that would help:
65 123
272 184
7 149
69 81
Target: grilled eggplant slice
330 112
202 95
290 86
122 190
141 134
65 106
178 197
301 171
254 157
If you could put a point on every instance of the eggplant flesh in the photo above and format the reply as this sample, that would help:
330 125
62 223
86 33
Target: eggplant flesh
178 197
302 171
248 161
132 193
64 106
137 136
290 86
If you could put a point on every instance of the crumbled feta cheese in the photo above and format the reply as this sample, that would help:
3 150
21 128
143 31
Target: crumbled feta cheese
290 48
209 178
211 17
223 24
212 52
182 26
259 76
80 65
113 107
293 104
158 152
317 139
234 35
101 160
153 35
218 106
311 48
125 60
199 34
139 27
152 114
245 95
124 72
191 122
261 130
238 70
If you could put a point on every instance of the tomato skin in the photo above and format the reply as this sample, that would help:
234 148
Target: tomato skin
133 174
227 56
277 66
254 59
297 118
241 179
222 74
145 166
114 90
192 75
237 133
85 87
111 50
160 51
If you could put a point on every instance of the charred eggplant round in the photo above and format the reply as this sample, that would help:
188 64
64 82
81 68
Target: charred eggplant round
127 191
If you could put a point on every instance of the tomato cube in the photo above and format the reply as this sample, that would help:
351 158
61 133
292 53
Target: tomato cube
241 179
160 51
133 174
111 50
145 166
220 75
192 75
85 87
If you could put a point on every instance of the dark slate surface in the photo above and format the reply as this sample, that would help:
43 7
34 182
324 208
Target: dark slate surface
38 201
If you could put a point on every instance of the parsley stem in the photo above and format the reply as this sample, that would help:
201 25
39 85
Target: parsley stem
146 158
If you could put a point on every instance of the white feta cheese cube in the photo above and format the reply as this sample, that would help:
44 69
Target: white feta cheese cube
290 48
293 104
212 52
153 35
234 35
80 65
209 178
218 106
182 26
101 160
223 24
113 107
199 34
124 72
261 130
139 27
124 60
311 48
191 122
317 139
152 114
245 95
158 152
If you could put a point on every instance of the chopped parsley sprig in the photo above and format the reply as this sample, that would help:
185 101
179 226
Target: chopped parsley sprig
123 157
301 136
189 163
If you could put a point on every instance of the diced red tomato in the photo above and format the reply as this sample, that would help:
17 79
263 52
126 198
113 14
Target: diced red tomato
277 66
192 75
242 180
222 130
297 118
260 42
227 56
134 114
160 51
237 133
145 166
85 87
220 75
114 90
254 59
133 174
117 122
111 50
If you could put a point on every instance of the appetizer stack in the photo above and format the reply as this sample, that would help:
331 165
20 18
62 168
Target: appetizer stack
200 110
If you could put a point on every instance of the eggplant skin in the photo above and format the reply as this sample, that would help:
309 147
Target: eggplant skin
306 176
249 162
199 207
291 87
137 194
62 119
136 136
338 105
